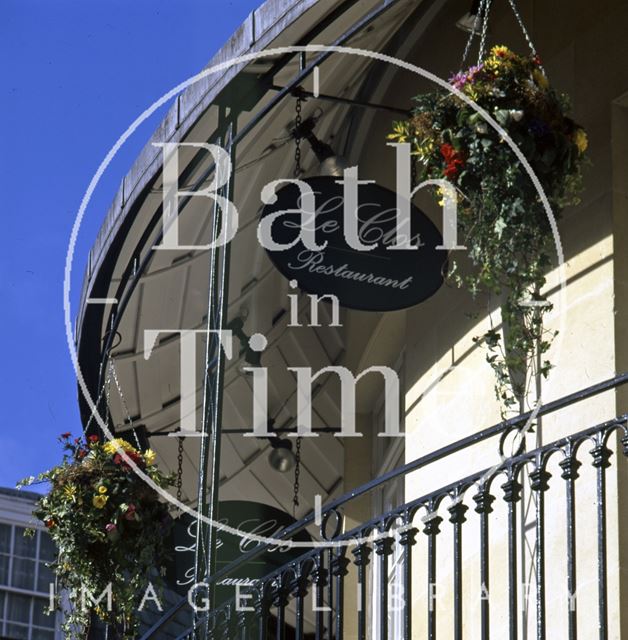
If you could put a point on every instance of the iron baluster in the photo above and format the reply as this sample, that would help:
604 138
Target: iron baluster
280 600
407 538
570 466
330 596
601 461
432 529
512 495
539 483
383 548
319 577
261 607
299 590
242 625
484 506
457 518
361 554
339 570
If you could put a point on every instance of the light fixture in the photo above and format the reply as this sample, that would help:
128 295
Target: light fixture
281 458
471 21
330 163
333 166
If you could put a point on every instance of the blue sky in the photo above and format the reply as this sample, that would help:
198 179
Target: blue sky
75 75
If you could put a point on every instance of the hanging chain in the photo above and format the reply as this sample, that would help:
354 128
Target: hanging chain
103 392
123 401
526 35
487 8
523 28
297 138
482 14
180 469
297 473
476 23
108 394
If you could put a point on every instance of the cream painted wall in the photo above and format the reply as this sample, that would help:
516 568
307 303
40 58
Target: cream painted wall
450 387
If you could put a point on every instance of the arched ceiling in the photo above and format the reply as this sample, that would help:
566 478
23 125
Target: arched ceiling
168 290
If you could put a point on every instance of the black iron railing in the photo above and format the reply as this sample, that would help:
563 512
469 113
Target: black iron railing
308 595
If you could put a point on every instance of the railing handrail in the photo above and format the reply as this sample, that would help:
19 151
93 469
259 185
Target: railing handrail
500 428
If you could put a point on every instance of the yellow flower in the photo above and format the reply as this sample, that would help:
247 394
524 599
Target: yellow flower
112 446
580 140
100 501
102 489
150 456
500 51
70 492
540 78
400 132
498 57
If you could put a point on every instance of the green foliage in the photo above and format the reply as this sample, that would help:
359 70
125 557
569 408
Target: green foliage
109 527
500 214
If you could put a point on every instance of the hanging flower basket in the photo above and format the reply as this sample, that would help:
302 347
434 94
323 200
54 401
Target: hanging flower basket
109 527
501 217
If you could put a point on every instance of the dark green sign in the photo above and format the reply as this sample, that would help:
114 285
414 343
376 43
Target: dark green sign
250 517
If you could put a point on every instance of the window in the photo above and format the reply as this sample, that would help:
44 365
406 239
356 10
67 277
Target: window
23 573
23 616
6 536
18 608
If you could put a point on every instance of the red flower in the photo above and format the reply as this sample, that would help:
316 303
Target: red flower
66 435
135 457
447 150
93 438
454 160
130 512
49 522
81 453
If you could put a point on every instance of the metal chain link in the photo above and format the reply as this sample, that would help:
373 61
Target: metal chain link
103 392
526 35
487 9
123 401
297 473
297 138
476 23
179 484
523 28
482 14
108 394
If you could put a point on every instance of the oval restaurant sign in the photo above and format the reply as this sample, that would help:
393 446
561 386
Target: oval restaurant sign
380 279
